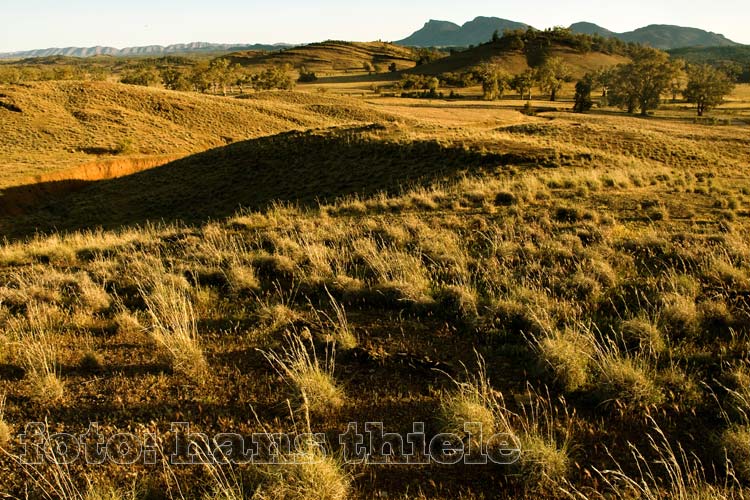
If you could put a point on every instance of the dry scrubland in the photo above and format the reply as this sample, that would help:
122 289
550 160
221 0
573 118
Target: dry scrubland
581 281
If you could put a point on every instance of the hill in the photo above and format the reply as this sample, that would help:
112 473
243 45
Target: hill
54 125
515 60
447 34
660 36
332 56
149 50
587 28
735 59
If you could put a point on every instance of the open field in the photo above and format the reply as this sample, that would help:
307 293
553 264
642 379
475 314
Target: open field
293 261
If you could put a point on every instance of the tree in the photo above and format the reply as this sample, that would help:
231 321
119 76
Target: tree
274 77
494 81
392 67
306 76
144 77
495 36
551 76
176 79
367 66
706 87
522 83
641 83
583 100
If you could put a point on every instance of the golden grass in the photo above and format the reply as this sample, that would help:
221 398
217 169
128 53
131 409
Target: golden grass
312 379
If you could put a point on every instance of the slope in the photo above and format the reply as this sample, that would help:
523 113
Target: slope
54 125
514 61
332 56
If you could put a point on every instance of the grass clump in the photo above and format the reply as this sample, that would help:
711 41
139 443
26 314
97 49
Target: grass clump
312 475
38 351
311 378
736 443
628 381
473 402
642 334
567 354
173 326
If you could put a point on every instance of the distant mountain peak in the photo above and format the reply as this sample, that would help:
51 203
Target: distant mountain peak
445 33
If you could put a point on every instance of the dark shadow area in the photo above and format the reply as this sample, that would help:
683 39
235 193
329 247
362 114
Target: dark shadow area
298 167
10 107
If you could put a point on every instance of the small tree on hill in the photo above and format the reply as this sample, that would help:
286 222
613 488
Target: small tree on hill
392 67
367 66
706 87
551 76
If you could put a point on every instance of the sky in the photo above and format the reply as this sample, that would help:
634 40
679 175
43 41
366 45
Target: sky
36 24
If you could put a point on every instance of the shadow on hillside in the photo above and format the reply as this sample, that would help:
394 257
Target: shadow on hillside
298 167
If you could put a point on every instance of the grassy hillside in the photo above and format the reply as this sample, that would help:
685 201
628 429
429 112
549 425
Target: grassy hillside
57 125
579 283
515 61
333 56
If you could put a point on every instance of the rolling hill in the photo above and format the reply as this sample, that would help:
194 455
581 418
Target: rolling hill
57 125
332 56
514 61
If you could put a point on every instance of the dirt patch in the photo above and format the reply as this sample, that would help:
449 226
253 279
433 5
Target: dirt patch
42 188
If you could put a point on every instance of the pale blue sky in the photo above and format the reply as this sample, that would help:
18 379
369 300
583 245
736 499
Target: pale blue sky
34 24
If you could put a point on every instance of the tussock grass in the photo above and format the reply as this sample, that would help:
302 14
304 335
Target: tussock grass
311 378
340 330
173 325
38 352
568 354
473 401
313 475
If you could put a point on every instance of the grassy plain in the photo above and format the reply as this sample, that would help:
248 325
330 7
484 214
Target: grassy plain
580 281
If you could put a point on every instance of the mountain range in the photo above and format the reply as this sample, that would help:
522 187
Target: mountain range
433 34
448 34
150 50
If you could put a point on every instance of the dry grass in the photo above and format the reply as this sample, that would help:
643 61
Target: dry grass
173 325
312 379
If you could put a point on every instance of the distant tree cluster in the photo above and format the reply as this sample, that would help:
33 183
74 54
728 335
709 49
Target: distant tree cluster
13 74
536 44
419 86
640 84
